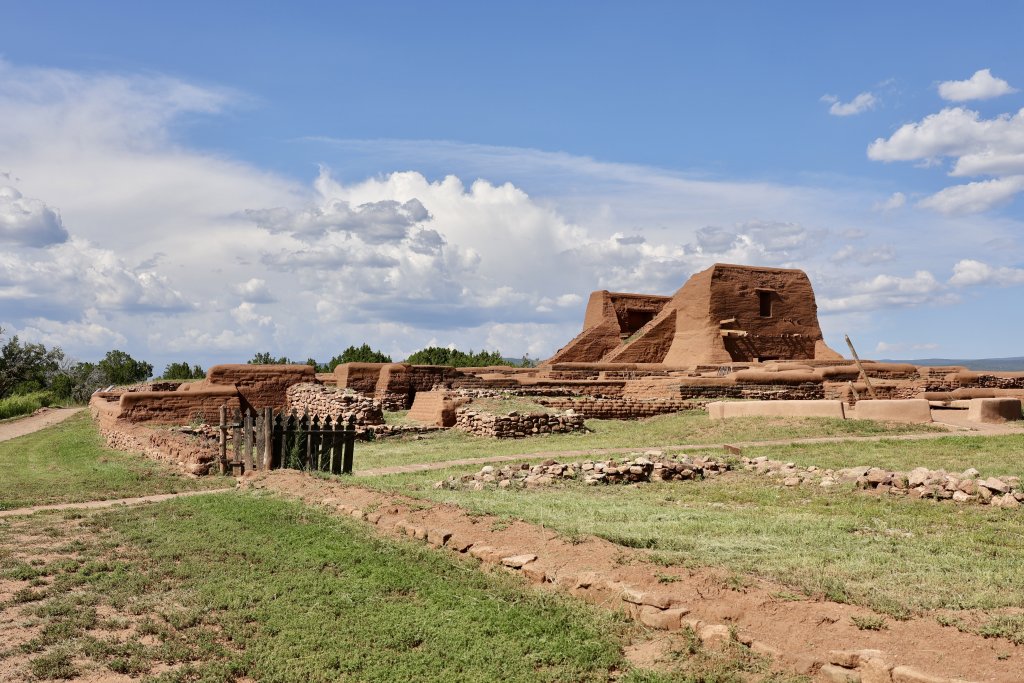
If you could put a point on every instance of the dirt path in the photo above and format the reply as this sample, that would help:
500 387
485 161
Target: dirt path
96 504
799 633
12 429
956 428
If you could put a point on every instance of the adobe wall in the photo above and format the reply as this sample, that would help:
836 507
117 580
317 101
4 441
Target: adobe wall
719 317
436 408
617 408
610 318
359 377
260 386
176 407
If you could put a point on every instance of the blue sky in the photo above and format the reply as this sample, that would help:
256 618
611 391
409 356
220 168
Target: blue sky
199 182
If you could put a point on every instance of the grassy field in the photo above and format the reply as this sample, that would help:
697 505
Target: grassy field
690 427
68 463
897 556
16 406
239 586
992 455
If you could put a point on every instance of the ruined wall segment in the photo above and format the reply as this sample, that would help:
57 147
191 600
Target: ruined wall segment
611 318
260 386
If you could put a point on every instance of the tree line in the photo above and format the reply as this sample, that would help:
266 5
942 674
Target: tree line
50 376
432 355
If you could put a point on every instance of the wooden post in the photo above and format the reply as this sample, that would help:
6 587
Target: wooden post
350 444
268 438
236 436
856 359
853 392
222 460
247 440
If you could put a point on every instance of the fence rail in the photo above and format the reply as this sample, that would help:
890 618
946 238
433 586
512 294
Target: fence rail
269 440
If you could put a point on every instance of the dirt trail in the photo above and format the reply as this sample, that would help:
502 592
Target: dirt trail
801 632
12 429
113 502
956 428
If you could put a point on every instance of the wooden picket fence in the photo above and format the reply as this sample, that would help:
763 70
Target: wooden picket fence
269 440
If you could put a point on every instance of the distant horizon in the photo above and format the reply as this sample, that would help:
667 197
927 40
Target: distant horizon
305 178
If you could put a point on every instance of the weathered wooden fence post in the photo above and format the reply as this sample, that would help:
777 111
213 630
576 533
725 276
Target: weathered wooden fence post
236 437
247 442
222 458
350 444
268 438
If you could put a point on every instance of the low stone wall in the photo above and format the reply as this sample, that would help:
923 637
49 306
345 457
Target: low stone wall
322 401
915 410
637 469
516 426
192 452
618 408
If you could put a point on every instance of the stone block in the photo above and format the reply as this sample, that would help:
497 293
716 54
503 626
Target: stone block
810 408
908 674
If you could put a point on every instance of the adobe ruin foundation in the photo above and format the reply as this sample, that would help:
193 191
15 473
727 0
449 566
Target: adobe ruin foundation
730 332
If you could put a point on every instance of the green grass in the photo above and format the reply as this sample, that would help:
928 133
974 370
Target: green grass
991 455
689 427
234 585
68 463
15 406
897 556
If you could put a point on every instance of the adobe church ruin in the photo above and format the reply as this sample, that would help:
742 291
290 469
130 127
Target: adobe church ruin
724 314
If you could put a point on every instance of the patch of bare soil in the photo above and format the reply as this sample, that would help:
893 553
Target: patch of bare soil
56 623
801 634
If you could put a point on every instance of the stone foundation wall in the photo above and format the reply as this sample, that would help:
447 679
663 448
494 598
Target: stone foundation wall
192 453
618 408
516 426
322 401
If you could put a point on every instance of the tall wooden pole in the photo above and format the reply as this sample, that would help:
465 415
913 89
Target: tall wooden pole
856 359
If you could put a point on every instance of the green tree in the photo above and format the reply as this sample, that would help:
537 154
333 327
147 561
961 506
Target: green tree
264 358
77 381
120 368
437 355
183 371
27 367
356 354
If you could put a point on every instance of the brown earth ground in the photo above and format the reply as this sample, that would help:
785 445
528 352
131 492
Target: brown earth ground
799 633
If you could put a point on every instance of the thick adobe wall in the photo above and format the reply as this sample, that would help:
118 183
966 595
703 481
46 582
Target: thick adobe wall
174 407
650 344
359 377
731 313
260 386
610 318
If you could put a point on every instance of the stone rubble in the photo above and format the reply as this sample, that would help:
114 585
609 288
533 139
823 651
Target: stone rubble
322 401
960 487
517 426
651 466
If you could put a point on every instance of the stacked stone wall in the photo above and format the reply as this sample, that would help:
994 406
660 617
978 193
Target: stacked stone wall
192 453
618 408
516 426
321 401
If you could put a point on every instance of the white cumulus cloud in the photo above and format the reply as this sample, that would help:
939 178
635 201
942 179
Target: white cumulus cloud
981 86
859 104
969 272
28 222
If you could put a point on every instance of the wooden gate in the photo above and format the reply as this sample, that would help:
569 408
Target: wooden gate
266 441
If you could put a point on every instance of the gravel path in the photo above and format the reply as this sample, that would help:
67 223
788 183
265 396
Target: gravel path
114 502
12 429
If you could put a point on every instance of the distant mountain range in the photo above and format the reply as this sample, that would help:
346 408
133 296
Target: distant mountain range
1002 364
